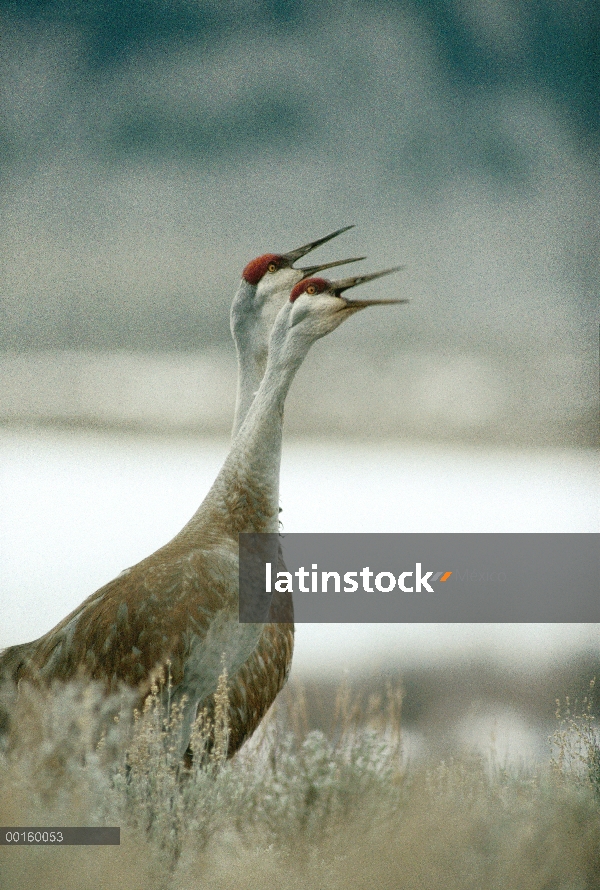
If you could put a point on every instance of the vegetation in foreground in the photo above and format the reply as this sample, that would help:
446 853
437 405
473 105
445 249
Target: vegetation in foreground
294 809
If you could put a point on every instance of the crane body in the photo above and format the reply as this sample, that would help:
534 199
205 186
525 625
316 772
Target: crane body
179 606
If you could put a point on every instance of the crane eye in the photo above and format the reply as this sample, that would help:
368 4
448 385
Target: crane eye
272 267
311 289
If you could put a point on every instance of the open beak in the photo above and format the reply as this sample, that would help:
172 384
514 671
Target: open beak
312 270
294 255
346 283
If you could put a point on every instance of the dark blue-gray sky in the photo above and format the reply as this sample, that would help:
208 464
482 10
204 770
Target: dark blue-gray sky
148 149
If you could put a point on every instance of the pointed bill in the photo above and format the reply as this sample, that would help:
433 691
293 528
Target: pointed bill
346 283
362 304
294 255
309 271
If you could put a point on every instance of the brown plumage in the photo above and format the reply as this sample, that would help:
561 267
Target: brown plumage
156 613
179 606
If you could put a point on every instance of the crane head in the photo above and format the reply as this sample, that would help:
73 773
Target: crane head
320 306
266 285
269 265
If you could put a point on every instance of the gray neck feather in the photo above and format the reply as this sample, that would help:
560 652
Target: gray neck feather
245 495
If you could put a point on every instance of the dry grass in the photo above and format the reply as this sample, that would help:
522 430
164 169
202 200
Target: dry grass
576 742
294 808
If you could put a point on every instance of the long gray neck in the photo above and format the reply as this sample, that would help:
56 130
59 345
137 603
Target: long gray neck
245 495
251 370
251 354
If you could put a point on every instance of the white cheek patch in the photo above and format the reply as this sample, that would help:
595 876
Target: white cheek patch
299 312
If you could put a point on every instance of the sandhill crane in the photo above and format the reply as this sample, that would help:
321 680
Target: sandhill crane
180 605
265 286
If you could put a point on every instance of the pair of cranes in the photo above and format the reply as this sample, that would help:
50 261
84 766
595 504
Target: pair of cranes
180 604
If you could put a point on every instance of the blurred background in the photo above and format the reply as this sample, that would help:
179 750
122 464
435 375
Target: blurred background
150 148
